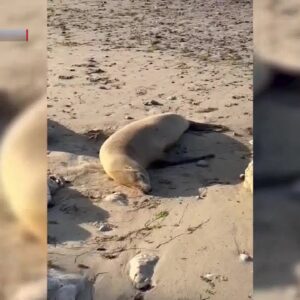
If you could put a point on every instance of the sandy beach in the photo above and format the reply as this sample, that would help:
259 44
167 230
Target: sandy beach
110 63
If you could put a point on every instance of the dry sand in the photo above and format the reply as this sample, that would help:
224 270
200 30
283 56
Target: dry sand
108 64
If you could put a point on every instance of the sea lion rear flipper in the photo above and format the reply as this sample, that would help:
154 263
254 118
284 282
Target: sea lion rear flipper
195 126
167 163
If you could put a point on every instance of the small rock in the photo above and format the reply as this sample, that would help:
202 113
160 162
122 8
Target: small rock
118 198
105 227
202 192
65 76
139 296
152 102
128 118
209 276
172 98
141 269
141 91
202 163
55 183
244 257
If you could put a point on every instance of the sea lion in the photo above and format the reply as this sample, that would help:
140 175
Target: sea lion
127 153
23 168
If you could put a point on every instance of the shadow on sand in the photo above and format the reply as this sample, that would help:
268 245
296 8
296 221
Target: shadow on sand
231 159
71 209
61 138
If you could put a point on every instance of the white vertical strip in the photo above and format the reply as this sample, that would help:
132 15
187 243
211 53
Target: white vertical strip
13 35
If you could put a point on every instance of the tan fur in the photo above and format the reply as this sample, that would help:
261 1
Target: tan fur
127 153
23 169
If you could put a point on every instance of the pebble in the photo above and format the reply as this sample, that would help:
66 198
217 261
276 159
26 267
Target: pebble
152 102
128 118
105 227
55 183
172 98
141 269
244 257
118 198
209 276
202 192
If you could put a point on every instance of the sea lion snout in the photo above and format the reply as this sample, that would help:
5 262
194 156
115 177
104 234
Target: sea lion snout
146 189
142 181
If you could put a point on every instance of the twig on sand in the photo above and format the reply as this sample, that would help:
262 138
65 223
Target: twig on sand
183 214
238 249
146 230
190 230
83 253
161 215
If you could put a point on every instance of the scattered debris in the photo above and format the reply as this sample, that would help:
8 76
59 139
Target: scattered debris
152 102
105 227
146 203
141 269
202 192
55 182
82 266
95 71
172 98
144 231
141 91
118 198
245 257
139 296
161 215
190 230
208 110
65 77
95 134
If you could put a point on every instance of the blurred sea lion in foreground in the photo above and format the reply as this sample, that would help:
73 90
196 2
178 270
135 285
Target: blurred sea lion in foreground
127 153
23 168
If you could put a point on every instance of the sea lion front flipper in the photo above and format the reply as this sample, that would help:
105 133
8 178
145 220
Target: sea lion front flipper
167 163
195 126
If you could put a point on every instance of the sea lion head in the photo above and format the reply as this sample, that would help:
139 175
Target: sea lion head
133 175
